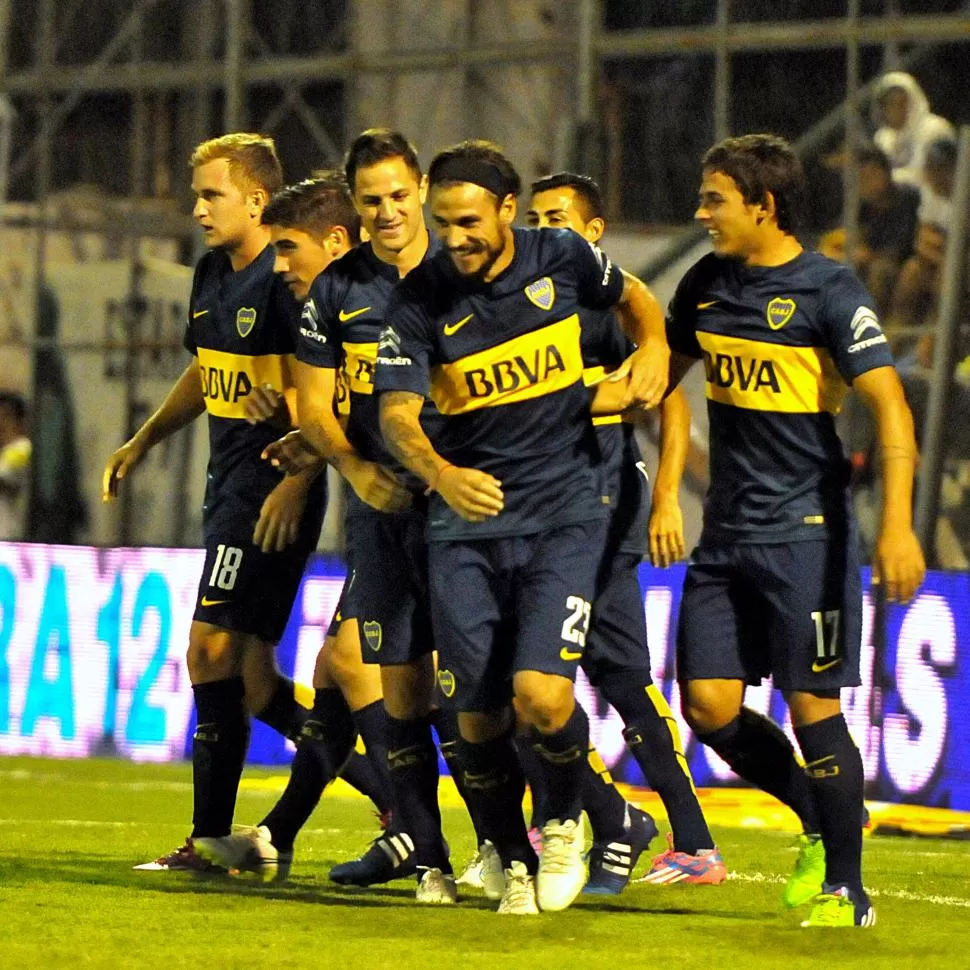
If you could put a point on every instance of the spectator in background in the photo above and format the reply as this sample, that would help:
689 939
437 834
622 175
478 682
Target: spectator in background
905 126
936 187
887 225
15 452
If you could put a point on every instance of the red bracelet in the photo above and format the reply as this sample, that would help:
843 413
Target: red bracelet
433 486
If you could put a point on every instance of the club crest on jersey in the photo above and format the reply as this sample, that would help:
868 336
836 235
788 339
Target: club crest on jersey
373 635
245 320
779 312
446 681
542 293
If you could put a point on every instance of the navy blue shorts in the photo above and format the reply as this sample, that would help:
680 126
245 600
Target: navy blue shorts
616 645
505 605
246 590
387 554
792 611
345 606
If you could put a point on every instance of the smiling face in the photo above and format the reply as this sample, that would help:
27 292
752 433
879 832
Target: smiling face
227 211
388 196
737 228
473 227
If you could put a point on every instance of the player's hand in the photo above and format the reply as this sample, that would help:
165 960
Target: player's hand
666 531
375 485
474 495
649 372
265 404
279 518
898 565
117 467
291 454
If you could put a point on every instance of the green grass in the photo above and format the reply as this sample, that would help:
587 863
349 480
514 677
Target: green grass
70 832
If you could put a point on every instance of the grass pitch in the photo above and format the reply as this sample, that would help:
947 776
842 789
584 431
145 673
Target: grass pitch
71 831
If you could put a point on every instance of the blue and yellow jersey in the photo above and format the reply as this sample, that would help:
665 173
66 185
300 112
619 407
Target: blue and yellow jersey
340 329
604 348
779 345
502 362
242 328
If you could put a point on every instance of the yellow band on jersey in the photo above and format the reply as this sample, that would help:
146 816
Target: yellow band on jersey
358 367
591 377
762 376
533 365
227 379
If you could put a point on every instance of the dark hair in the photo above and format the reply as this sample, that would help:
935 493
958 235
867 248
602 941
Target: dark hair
375 145
315 206
477 153
760 164
252 159
873 155
586 188
16 403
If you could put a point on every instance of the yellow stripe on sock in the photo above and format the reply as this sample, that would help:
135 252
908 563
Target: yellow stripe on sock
663 709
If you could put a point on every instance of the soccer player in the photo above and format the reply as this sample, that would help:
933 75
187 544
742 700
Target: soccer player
616 658
773 586
490 328
259 526
311 224
386 546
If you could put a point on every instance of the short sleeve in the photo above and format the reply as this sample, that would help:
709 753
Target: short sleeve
599 282
406 349
851 327
189 339
681 321
318 339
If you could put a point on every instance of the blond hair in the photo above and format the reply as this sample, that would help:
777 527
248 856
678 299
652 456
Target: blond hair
252 158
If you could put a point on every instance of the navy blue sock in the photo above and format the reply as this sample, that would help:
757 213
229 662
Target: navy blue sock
446 727
359 773
605 806
218 754
371 724
413 762
284 713
325 744
651 743
536 778
759 752
495 785
833 767
562 756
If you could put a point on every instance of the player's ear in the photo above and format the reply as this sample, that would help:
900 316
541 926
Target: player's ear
594 229
338 241
256 202
767 209
507 210
423 189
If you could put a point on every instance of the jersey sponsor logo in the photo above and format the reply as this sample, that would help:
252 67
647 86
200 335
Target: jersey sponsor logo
706 306
534 364
358 367
605 263
205 601
227 379
780 311
447 683
198 313
245 320
344 316
309 323
373 635
863 321
542 293
763 376
452 328
391 342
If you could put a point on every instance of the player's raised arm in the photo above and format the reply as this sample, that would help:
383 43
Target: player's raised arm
473 494
642 320
898 559
182 405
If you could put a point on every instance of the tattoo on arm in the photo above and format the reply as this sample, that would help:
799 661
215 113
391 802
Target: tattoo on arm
405 438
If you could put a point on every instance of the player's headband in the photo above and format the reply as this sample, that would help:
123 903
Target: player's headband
475 170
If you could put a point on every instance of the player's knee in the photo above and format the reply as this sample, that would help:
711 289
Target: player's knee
706 706
213 654
546 700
